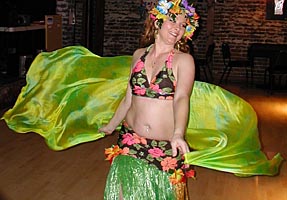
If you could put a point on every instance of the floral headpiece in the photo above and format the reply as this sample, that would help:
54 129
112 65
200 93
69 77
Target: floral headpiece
170 9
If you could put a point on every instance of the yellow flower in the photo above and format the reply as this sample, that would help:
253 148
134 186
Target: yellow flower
176 177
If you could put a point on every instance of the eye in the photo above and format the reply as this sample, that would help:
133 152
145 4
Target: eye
171 19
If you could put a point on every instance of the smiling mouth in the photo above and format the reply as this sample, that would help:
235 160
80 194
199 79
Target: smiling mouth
174 34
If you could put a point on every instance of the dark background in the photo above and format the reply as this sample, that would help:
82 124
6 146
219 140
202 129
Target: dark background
11 11
14 13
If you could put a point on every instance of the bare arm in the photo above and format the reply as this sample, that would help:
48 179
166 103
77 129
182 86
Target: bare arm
185 81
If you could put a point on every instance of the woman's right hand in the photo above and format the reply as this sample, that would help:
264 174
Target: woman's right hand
106 130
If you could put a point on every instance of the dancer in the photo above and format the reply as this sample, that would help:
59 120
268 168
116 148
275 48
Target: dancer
148 161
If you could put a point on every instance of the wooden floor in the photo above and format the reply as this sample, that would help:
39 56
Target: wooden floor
31 171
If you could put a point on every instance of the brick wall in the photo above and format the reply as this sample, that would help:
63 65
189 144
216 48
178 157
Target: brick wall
72 33
123 26
238 22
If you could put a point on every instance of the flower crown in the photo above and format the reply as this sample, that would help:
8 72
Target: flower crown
170 9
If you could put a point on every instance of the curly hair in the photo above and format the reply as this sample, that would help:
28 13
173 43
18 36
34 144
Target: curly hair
148 37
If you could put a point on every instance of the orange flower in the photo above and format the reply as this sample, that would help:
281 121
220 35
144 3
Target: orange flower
153 80
177 177
169 98
168 163
174 83
112 152
139 139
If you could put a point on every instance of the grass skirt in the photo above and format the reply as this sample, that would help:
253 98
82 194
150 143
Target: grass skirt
138 180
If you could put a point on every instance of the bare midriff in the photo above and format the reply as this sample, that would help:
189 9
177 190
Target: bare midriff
151 118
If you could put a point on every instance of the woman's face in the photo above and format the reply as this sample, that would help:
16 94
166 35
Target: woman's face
173 30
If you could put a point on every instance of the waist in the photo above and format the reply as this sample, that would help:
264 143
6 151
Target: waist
126 129
151 127
151 118
157 153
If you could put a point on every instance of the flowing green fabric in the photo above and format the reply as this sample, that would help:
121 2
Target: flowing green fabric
71 92
223 132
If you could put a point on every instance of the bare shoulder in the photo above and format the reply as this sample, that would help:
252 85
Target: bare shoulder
184 57
138 53
136 56
185 73
183 60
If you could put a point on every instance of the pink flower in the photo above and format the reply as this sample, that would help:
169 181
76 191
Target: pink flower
139 66
125 151
129 139
139 91
156 152
152 17
155 88
168 163
169 61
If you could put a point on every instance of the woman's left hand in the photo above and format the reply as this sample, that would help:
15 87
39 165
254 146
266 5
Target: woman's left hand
178 143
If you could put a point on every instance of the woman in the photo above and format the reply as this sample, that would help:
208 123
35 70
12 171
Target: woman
155 110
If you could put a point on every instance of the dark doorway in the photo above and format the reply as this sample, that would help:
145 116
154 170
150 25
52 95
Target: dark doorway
93 25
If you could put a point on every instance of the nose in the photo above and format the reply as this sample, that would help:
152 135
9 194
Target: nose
177 26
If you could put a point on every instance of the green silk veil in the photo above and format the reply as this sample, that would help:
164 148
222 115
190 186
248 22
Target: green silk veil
71 92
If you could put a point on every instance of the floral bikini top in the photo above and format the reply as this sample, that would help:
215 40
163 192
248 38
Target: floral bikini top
162 86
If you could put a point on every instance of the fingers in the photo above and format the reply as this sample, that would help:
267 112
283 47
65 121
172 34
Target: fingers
185 148
174 149
108 133
101 130
105 130
180 146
